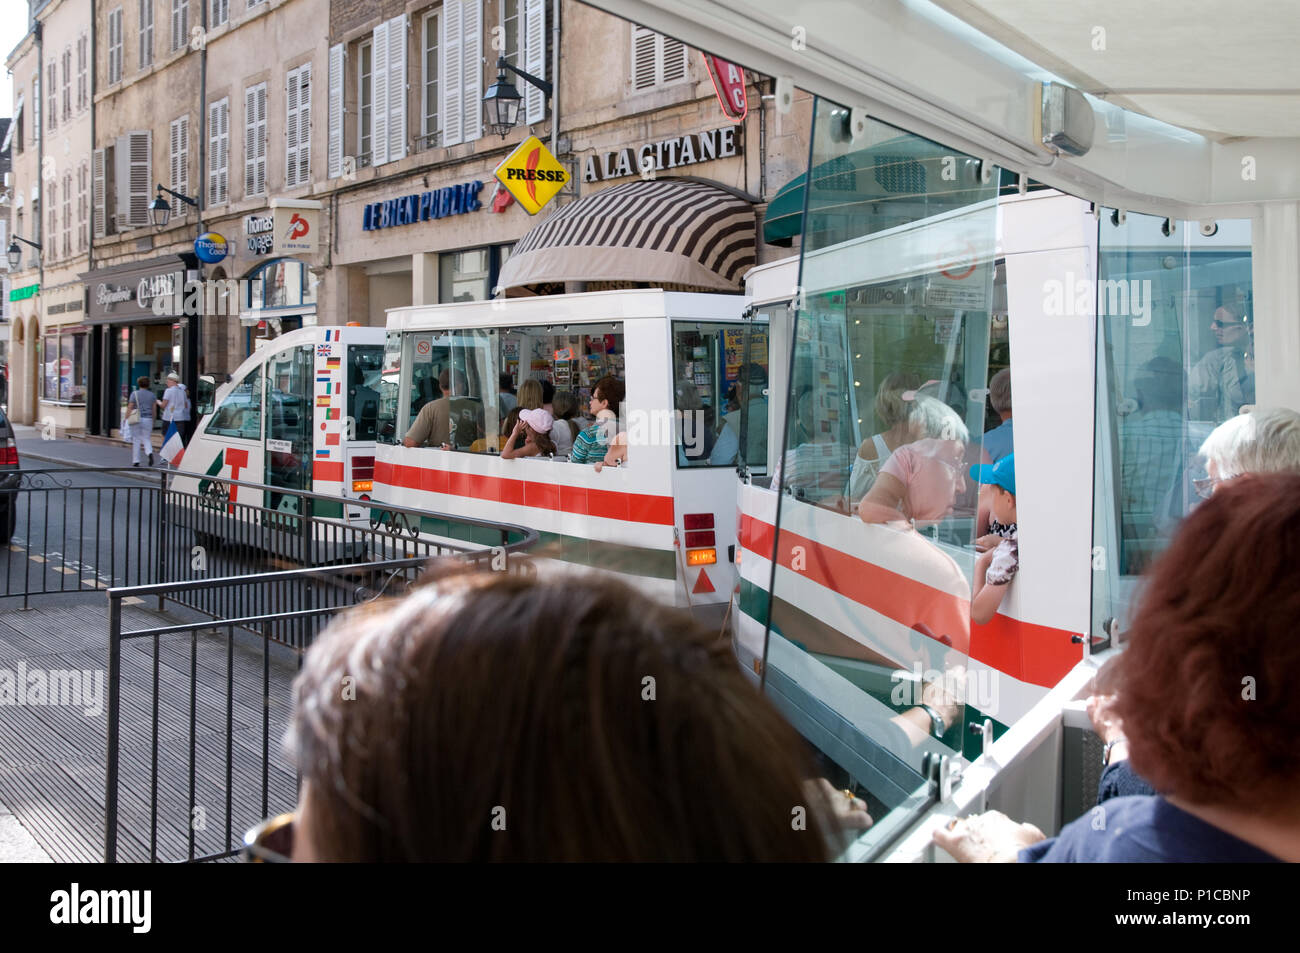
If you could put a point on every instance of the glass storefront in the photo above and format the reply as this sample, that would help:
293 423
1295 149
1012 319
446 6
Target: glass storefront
64 372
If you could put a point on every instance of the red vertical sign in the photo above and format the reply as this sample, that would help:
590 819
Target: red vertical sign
729 83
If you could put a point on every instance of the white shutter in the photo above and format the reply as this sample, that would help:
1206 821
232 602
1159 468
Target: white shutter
379 94
179 168
261 139
645 58
219 152
139 180
291 129
334 150
534 58
672 60
99 192
304 124
449 85
472 67
250 144
397 44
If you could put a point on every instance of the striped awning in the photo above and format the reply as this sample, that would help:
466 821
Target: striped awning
660 231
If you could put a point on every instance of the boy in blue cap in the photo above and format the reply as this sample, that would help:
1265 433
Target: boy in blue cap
996 566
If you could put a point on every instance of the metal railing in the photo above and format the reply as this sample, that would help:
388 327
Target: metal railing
88 530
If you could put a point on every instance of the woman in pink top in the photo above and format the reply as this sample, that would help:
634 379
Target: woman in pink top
919 483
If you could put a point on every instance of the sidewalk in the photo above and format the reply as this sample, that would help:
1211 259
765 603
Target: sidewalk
78 452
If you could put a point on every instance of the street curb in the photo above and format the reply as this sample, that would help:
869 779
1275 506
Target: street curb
153 471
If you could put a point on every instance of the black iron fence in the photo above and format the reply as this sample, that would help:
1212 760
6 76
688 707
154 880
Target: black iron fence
89 530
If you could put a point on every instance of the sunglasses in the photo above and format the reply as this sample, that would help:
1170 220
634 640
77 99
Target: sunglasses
1218 325
270 842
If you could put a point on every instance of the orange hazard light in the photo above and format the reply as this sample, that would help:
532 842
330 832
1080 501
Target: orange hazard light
701 557
362 486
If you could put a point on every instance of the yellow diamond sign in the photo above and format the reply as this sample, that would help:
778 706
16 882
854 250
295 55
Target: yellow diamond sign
532 175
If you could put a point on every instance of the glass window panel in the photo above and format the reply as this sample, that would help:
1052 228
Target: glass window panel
867 654
365 373
1175 360
463 276
386 430
713 383
289 425
240 413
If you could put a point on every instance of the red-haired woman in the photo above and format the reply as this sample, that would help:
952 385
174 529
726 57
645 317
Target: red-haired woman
1206 693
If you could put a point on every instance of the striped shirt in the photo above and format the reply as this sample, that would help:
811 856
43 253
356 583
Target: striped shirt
592 444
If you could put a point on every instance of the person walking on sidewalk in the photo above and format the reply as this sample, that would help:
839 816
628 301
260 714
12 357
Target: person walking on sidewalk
175 410
139 415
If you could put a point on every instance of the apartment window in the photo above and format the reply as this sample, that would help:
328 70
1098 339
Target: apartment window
17 131
657 60
460 42
219 12
334 112
219 152
297 127
67 214
115 46
180 24
52 90
83 204
123 173
179 162
429 127
146 33
365 112
67 83
83 63
255 140
510 14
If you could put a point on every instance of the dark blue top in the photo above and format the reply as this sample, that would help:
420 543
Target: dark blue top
1143 830
1119 780
999 441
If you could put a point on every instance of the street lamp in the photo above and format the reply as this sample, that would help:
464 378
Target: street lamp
15 254
501 103
160 210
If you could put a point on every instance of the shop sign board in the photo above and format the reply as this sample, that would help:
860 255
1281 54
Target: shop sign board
650 157
295 224
532 175
422 206
729 84
259 233
210 247
22 294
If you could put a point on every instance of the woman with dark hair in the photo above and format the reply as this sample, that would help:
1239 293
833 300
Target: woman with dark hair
1206 695
497 718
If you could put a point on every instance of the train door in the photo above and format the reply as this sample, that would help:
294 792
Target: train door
288 409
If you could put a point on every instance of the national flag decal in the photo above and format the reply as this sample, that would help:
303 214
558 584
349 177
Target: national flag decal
331 439
323 400
322 453
332 414
334 362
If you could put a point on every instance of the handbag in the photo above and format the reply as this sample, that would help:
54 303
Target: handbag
133 416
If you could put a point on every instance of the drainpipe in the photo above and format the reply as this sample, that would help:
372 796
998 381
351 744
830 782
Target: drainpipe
38 220
555 79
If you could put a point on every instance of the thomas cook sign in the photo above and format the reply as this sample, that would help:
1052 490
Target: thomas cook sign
532 175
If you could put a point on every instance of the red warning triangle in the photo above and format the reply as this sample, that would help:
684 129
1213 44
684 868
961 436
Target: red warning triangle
702 584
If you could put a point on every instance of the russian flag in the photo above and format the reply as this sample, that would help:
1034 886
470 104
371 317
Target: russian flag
322 453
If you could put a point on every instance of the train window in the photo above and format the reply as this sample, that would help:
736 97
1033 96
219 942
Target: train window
713 385
365 373
240 413
570 358
386 430
1176 359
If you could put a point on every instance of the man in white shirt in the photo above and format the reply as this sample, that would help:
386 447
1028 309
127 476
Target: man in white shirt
176 405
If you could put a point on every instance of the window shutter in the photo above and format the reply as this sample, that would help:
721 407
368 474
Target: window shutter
379 94
291 129
261 139
645 55
250 141
218 152
397 88
99 192
672 60
449 85
534 30
472 67
304 124
179 169
334 150
139 156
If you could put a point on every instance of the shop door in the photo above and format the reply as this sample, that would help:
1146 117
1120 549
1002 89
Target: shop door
288 427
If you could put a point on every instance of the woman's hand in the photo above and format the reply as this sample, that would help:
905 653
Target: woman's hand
848 811
1101 711
988 838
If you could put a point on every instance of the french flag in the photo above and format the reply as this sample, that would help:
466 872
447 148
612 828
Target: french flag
173 448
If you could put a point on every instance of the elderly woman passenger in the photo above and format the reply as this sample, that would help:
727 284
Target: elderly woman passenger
1262 441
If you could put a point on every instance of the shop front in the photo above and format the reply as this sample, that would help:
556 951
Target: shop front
127 339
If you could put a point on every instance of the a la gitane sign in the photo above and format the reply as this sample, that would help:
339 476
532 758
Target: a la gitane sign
295 223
